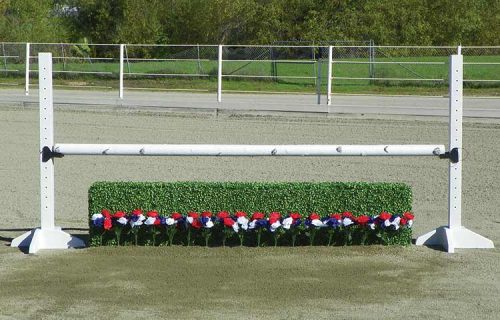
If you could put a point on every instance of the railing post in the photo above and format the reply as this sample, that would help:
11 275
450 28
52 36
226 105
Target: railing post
329 80
27 76
219 75
121 71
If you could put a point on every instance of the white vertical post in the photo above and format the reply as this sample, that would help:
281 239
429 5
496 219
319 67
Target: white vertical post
48 236
27 76
121 71
46 140
455 134
219 75
329 80
454 235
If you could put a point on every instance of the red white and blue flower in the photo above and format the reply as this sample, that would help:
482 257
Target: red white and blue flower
206 219
241 219
274 221
292 220
314 220
153 218
193 220
137 218
257 221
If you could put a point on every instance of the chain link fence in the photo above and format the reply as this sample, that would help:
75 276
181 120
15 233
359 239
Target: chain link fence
278 67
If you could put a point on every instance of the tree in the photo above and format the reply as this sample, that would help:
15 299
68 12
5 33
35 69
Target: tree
30 21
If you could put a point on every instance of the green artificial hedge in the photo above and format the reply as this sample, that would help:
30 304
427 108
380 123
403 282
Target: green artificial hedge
284 197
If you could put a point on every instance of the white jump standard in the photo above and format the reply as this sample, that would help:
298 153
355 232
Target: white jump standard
455 235
50 237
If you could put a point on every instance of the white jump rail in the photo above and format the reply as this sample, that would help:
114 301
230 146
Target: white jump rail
247 150
48 236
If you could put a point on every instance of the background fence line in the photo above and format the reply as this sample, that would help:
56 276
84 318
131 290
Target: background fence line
309 68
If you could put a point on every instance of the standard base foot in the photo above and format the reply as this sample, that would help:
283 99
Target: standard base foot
451 238
37 239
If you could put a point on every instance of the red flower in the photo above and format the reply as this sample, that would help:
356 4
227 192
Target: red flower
196 224
157 221
347 214
385 216
314 216
273 217
176 215
336 216
403 222
107 224
137 212
240 214
119 214
408 216
106 213
223 215
295 216
257 216
228 222
362 220
153 214
193 215
206 214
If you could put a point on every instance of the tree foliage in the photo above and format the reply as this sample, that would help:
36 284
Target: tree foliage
387 22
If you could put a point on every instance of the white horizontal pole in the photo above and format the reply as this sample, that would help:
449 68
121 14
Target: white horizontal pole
248 150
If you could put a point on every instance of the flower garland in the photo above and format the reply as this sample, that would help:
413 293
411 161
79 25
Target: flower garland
336 228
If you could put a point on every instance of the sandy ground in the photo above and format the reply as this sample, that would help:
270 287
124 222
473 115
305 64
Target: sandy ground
375 282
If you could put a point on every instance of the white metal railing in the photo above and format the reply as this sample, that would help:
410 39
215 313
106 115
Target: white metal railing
319 67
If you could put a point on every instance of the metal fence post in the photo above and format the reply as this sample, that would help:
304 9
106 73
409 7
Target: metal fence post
329 80
121 71
219 75
27 76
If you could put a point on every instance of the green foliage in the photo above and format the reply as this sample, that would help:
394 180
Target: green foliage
387 22
30 21
304 197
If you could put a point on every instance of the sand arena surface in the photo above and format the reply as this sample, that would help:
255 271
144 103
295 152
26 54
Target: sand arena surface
426 280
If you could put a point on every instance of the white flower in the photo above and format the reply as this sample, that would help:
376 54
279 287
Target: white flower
209 224
242 220
275 226
287 223
122 221
189 220
347 222
170 221
96 216
387 223
410 223
244 226
372 226
317 223
236 228
150 221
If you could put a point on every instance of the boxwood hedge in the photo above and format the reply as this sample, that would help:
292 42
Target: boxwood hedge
285 197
